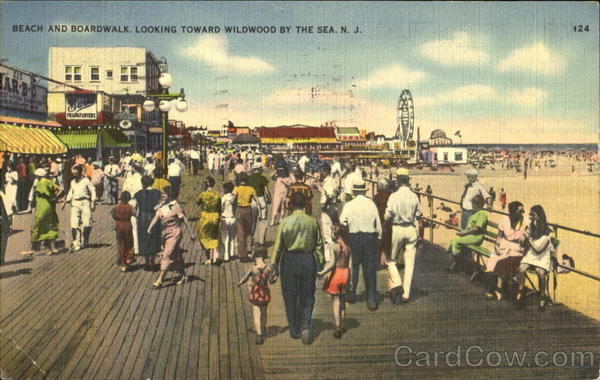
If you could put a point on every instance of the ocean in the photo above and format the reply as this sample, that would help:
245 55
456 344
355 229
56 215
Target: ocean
534 147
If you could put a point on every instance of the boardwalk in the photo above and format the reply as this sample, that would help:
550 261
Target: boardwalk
74 316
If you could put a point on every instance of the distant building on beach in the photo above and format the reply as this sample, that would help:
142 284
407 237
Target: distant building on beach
439 138
298 135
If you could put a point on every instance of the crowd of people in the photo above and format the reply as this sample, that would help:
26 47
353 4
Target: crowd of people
351 231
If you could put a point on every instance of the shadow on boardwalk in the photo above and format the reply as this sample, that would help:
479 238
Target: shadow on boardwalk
75 316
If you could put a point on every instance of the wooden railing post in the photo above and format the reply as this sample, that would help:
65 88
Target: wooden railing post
431 224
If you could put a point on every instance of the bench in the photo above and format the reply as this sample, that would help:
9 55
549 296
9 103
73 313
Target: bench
479 252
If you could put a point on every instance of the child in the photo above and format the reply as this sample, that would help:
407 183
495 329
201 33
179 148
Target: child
122 214
261 275
228 228
337 282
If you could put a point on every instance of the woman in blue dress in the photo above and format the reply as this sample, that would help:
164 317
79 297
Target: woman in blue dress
147 201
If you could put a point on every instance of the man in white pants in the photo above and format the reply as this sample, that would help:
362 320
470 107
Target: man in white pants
404 211
82 196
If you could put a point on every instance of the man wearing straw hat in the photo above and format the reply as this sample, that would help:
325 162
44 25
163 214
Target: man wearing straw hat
472 188
403 211
361 219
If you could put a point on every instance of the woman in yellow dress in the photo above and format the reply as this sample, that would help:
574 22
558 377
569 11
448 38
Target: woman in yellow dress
208 223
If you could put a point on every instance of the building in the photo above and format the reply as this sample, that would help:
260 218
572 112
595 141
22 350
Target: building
129 74
24 123
245 140
298 135
439 138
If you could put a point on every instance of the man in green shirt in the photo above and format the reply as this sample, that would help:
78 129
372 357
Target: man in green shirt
259 207
299 247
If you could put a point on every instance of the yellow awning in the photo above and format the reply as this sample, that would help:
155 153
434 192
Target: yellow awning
26 140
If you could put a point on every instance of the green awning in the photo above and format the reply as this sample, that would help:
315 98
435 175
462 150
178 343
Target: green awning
88 138
114 138
79 139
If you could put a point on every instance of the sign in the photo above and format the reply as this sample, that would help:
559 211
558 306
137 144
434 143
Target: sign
81 107
19 91
126 116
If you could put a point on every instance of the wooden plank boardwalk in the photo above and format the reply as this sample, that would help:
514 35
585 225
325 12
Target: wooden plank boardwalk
74 316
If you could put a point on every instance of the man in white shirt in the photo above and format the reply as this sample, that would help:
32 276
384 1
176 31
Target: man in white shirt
361 219
149 166
111 172
195 157
302 162
210 160
82 196
472 188
174 173
403 211
354 173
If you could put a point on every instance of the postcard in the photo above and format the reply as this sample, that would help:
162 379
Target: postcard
273 189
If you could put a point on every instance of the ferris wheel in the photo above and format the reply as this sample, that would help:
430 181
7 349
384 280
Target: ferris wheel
406 117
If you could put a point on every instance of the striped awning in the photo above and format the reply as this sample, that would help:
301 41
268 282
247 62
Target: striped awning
79 139
89 138
16 139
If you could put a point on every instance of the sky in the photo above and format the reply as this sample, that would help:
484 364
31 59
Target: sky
498 72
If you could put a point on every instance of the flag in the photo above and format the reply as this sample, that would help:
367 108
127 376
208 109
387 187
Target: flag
457 133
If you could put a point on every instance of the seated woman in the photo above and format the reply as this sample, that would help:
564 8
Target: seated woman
538 256
508 251
472 235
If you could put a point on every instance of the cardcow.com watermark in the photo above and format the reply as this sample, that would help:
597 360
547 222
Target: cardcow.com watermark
476 356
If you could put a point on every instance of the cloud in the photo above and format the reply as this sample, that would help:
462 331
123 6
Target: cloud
467 94
536 58
312 95
456 51
528 97
213 51
395 76
510 129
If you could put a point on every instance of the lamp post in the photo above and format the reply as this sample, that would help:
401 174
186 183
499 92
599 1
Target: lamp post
164 105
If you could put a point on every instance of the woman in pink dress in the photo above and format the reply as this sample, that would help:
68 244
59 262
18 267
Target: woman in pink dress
508 251
171 218
283 181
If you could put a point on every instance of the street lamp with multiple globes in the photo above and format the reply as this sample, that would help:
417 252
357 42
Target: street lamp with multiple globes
164 105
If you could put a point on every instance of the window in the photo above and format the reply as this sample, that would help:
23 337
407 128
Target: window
73 73
109 74
445 156
458 156
129 73
95 74
124 74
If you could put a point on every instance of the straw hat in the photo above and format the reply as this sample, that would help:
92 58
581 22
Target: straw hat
471 172
402 172
359 185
